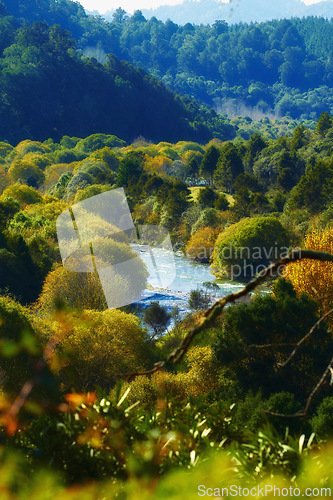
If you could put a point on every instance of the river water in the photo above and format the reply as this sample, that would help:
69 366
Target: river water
190 276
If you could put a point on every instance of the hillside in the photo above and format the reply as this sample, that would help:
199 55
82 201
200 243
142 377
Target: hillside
272 69
48 89
236 11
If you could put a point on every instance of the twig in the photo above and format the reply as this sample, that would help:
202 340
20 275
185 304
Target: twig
318 386
298 345
262 346
303 413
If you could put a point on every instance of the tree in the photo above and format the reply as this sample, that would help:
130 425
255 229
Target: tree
287 171
313 277
130 168
229 166
83 290
245 248
209 217
254 146
314 188
221 203
207 197
199 300
298 139
157 317
271 319
325 122
21 349
98 346
209 162
201 244
27 172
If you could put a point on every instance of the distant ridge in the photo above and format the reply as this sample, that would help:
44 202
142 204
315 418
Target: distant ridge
208 11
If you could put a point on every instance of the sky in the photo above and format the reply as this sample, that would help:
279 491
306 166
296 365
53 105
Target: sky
130 6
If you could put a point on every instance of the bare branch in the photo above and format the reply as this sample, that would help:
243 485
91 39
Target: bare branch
303 413
318 386
298 345
263 346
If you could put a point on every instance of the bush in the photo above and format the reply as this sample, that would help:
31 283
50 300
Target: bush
245 248
94 347
19 348
207 197
201 245
157 318
322 422
210 217
199 300
24 195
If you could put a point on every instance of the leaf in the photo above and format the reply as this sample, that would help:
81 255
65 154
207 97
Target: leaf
301 443
123 397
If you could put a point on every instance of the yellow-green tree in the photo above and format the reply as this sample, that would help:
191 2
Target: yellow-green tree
24 195
201 245
92 347
313 277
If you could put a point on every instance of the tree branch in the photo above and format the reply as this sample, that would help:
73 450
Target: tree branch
298 345
303 413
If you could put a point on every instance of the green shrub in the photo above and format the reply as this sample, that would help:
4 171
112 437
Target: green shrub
322 422
245 248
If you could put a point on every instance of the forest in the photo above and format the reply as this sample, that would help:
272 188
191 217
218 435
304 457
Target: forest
80 424
130 403
276 68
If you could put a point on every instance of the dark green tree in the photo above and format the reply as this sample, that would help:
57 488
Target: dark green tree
263 321
157 317
209 162
229 166
207 197
325 122
130 169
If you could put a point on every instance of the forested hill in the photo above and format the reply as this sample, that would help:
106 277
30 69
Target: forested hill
275 68
235 11
48 89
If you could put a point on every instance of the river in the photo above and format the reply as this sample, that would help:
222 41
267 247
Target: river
190 276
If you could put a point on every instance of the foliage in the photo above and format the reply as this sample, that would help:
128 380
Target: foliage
244 248
42 60
322 422
276 67
201 245
314 188
157 317
248 329
24 195
19 346
94 346
199 300
315 278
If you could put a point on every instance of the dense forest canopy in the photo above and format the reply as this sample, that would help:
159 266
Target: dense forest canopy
103 404
233 11
57 333
48 89
277 67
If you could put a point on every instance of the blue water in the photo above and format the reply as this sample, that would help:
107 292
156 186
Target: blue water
189 276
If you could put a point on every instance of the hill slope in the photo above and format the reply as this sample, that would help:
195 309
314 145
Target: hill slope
47 89
246 11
